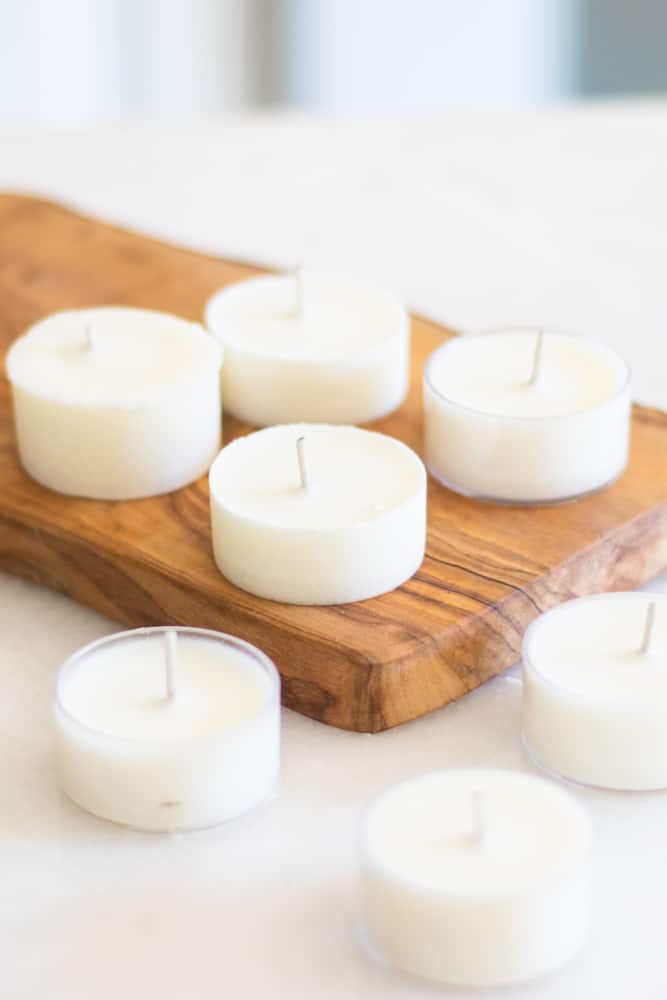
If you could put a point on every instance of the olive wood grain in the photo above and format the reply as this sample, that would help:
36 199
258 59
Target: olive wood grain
488 571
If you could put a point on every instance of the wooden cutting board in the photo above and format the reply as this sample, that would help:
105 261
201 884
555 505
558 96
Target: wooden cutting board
488 571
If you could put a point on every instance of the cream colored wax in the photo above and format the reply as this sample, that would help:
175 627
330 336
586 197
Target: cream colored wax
115 403
475 877
310 347
595 690
502 422
342 520
168 729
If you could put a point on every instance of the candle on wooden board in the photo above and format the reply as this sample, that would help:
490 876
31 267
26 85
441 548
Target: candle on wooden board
116 403
310 347
168 728
316 514
595 690
475 877
526 416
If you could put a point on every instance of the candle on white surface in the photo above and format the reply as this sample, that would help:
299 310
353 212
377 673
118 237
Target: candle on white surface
595 690
168 728
526 416
314 514
475 896
115 403
310 347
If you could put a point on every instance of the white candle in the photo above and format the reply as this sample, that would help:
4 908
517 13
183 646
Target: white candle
310 347
168 729
526 417
115 403
353 526
476 877
595 690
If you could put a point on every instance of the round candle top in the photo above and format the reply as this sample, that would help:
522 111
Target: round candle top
120 688
353 476
475 830
111 356
306 316
594 646
493 372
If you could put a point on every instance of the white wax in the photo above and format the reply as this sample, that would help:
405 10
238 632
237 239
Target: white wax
128 753
356 531
312 347
594 705
476 877
133 411
492 433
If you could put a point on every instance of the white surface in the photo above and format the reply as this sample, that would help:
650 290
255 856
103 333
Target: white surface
204 754
556 218
356 529
595 706
516 418
145 384
310 347
476 876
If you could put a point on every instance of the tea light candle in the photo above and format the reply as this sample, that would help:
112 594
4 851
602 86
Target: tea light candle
313 514
475 877
115 403
310 347
168 728
525 416
595 690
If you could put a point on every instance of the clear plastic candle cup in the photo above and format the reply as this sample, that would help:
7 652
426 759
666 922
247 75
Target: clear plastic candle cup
595 690
475 877
526 416
168 728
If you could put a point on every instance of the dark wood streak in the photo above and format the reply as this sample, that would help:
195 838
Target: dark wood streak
472 572
488 570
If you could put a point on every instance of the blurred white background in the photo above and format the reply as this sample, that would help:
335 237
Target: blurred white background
71 63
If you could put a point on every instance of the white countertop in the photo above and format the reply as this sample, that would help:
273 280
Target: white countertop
551 217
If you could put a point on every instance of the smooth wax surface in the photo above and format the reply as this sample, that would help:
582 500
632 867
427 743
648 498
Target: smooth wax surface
475 877
356 531
310 347
492 432
128 753
115 403
121 690
594 704
491 375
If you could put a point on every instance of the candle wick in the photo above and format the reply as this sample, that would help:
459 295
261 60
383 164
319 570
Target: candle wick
170 641
301 458
88 335
298 293
480 831
537 358
649 624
